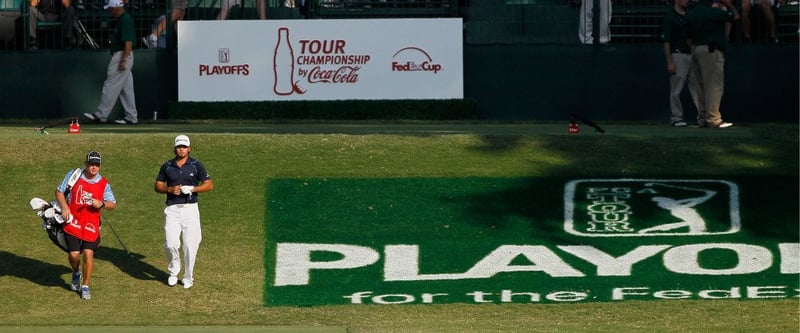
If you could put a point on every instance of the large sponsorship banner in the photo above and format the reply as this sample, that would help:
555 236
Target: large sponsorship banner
277 60
530 240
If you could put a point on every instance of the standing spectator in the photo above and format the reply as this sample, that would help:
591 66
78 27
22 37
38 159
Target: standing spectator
48 10
766 11
679 63
706 32
119 79
80 207
586 21
178 13
182 178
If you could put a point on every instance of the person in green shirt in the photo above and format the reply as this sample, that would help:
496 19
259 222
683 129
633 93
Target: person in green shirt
119 79
679 62
706 32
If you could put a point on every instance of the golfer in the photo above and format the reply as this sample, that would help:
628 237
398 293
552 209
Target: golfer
182 178
80 207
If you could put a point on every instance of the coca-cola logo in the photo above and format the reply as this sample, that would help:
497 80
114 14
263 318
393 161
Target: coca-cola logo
315 61
344 74
414 59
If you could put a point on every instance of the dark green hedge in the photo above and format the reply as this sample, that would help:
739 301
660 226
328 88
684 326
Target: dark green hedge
451 109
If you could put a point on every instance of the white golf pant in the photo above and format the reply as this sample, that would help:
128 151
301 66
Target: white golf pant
182 223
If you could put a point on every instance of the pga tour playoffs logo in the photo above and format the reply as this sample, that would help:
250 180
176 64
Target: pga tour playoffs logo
651 207
511 240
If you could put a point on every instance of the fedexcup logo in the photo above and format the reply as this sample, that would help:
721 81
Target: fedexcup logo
650 207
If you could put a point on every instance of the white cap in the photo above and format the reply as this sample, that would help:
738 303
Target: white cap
182 140
114 4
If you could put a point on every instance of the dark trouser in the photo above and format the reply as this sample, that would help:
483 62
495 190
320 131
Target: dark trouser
67 18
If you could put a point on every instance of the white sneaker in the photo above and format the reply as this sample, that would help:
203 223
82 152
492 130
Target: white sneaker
723 125
680 123
187 285
85 293
150 42
172 281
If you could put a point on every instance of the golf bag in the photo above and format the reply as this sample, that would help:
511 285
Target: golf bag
52 221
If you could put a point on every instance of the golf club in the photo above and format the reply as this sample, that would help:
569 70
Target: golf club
105 221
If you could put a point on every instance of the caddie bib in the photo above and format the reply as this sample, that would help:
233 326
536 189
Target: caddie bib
85 219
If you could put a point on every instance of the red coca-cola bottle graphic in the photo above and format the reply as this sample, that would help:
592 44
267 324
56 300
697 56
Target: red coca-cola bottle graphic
283 64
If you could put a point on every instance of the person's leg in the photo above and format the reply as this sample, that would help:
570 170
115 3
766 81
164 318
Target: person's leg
172 234
225 9
695 87
74 259
88 266
67 22
605 21
160 26
192 235
745 17
115 80
585 23
676 83
127 97
766 11
73 246
35 17
712 70
178 14
261 6
700 83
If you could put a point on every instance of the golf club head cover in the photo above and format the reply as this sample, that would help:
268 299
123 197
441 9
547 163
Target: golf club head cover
38 204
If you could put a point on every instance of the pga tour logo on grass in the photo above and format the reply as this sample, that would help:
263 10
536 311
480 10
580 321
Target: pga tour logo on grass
503 240
628 207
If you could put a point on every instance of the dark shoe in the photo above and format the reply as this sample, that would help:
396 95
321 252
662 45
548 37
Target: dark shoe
76 281
125 122
34 46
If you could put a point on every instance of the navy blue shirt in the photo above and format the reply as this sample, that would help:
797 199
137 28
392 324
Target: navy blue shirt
191 173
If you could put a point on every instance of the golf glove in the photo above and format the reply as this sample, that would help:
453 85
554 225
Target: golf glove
187 189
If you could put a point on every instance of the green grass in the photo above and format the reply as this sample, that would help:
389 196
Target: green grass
242 157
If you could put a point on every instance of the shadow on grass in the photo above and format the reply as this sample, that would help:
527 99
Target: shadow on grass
39 272
131 263
767 206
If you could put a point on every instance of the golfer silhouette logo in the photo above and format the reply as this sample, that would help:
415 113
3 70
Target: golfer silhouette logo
651 207
682 209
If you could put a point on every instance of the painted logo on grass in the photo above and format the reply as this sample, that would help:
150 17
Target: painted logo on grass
529 240
650 207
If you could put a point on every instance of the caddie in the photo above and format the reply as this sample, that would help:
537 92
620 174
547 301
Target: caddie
182 178
81 204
